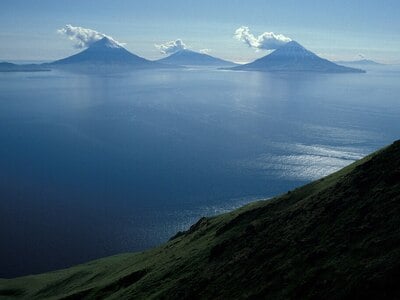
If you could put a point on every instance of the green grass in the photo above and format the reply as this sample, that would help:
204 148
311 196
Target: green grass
335 238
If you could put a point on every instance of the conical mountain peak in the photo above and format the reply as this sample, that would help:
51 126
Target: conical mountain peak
187 57
105 42
293 57
293 44
105 51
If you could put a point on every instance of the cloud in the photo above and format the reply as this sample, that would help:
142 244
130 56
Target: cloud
265 41
171 46
205 51
83 37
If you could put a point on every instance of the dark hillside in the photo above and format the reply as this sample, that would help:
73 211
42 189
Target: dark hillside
336 238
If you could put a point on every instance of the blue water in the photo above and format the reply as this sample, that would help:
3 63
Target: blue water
93 165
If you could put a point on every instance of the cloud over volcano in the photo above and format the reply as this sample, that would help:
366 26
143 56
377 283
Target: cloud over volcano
265 41
171 46
83 37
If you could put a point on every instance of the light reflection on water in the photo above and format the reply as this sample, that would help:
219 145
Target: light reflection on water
305 162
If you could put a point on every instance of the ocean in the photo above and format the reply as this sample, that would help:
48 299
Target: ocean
93 165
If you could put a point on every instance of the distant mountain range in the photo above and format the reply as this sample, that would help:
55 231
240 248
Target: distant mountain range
293 57
361 62
188 57
106 52
10 67
108 55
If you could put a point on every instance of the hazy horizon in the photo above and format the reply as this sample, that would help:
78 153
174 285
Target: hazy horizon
336 31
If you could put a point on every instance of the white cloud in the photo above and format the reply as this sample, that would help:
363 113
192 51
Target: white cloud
83 37
266 40
171 46
205 51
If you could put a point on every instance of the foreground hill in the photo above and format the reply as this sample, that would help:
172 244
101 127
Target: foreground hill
188 57
293 57
335 238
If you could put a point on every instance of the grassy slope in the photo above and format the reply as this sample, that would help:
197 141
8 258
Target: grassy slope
338 237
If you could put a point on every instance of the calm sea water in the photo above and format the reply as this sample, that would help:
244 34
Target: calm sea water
93 165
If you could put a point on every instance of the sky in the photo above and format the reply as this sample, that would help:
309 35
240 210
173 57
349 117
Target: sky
334 29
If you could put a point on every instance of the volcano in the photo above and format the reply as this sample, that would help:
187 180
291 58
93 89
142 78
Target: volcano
188 57
105 52
293 57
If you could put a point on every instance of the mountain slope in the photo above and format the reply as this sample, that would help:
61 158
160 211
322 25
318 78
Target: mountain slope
292 57
191 58
335 238
105 52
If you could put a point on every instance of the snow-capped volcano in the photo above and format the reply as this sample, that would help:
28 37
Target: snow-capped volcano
107 43
293 57
105 52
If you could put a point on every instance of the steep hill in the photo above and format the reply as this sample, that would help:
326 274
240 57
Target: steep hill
293 57
335 238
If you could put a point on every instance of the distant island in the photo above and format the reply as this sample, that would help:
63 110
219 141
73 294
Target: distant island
10 67
361 62
293 57
186 57
335 238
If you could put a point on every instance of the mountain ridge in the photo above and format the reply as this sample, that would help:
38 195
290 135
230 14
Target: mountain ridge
337 238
